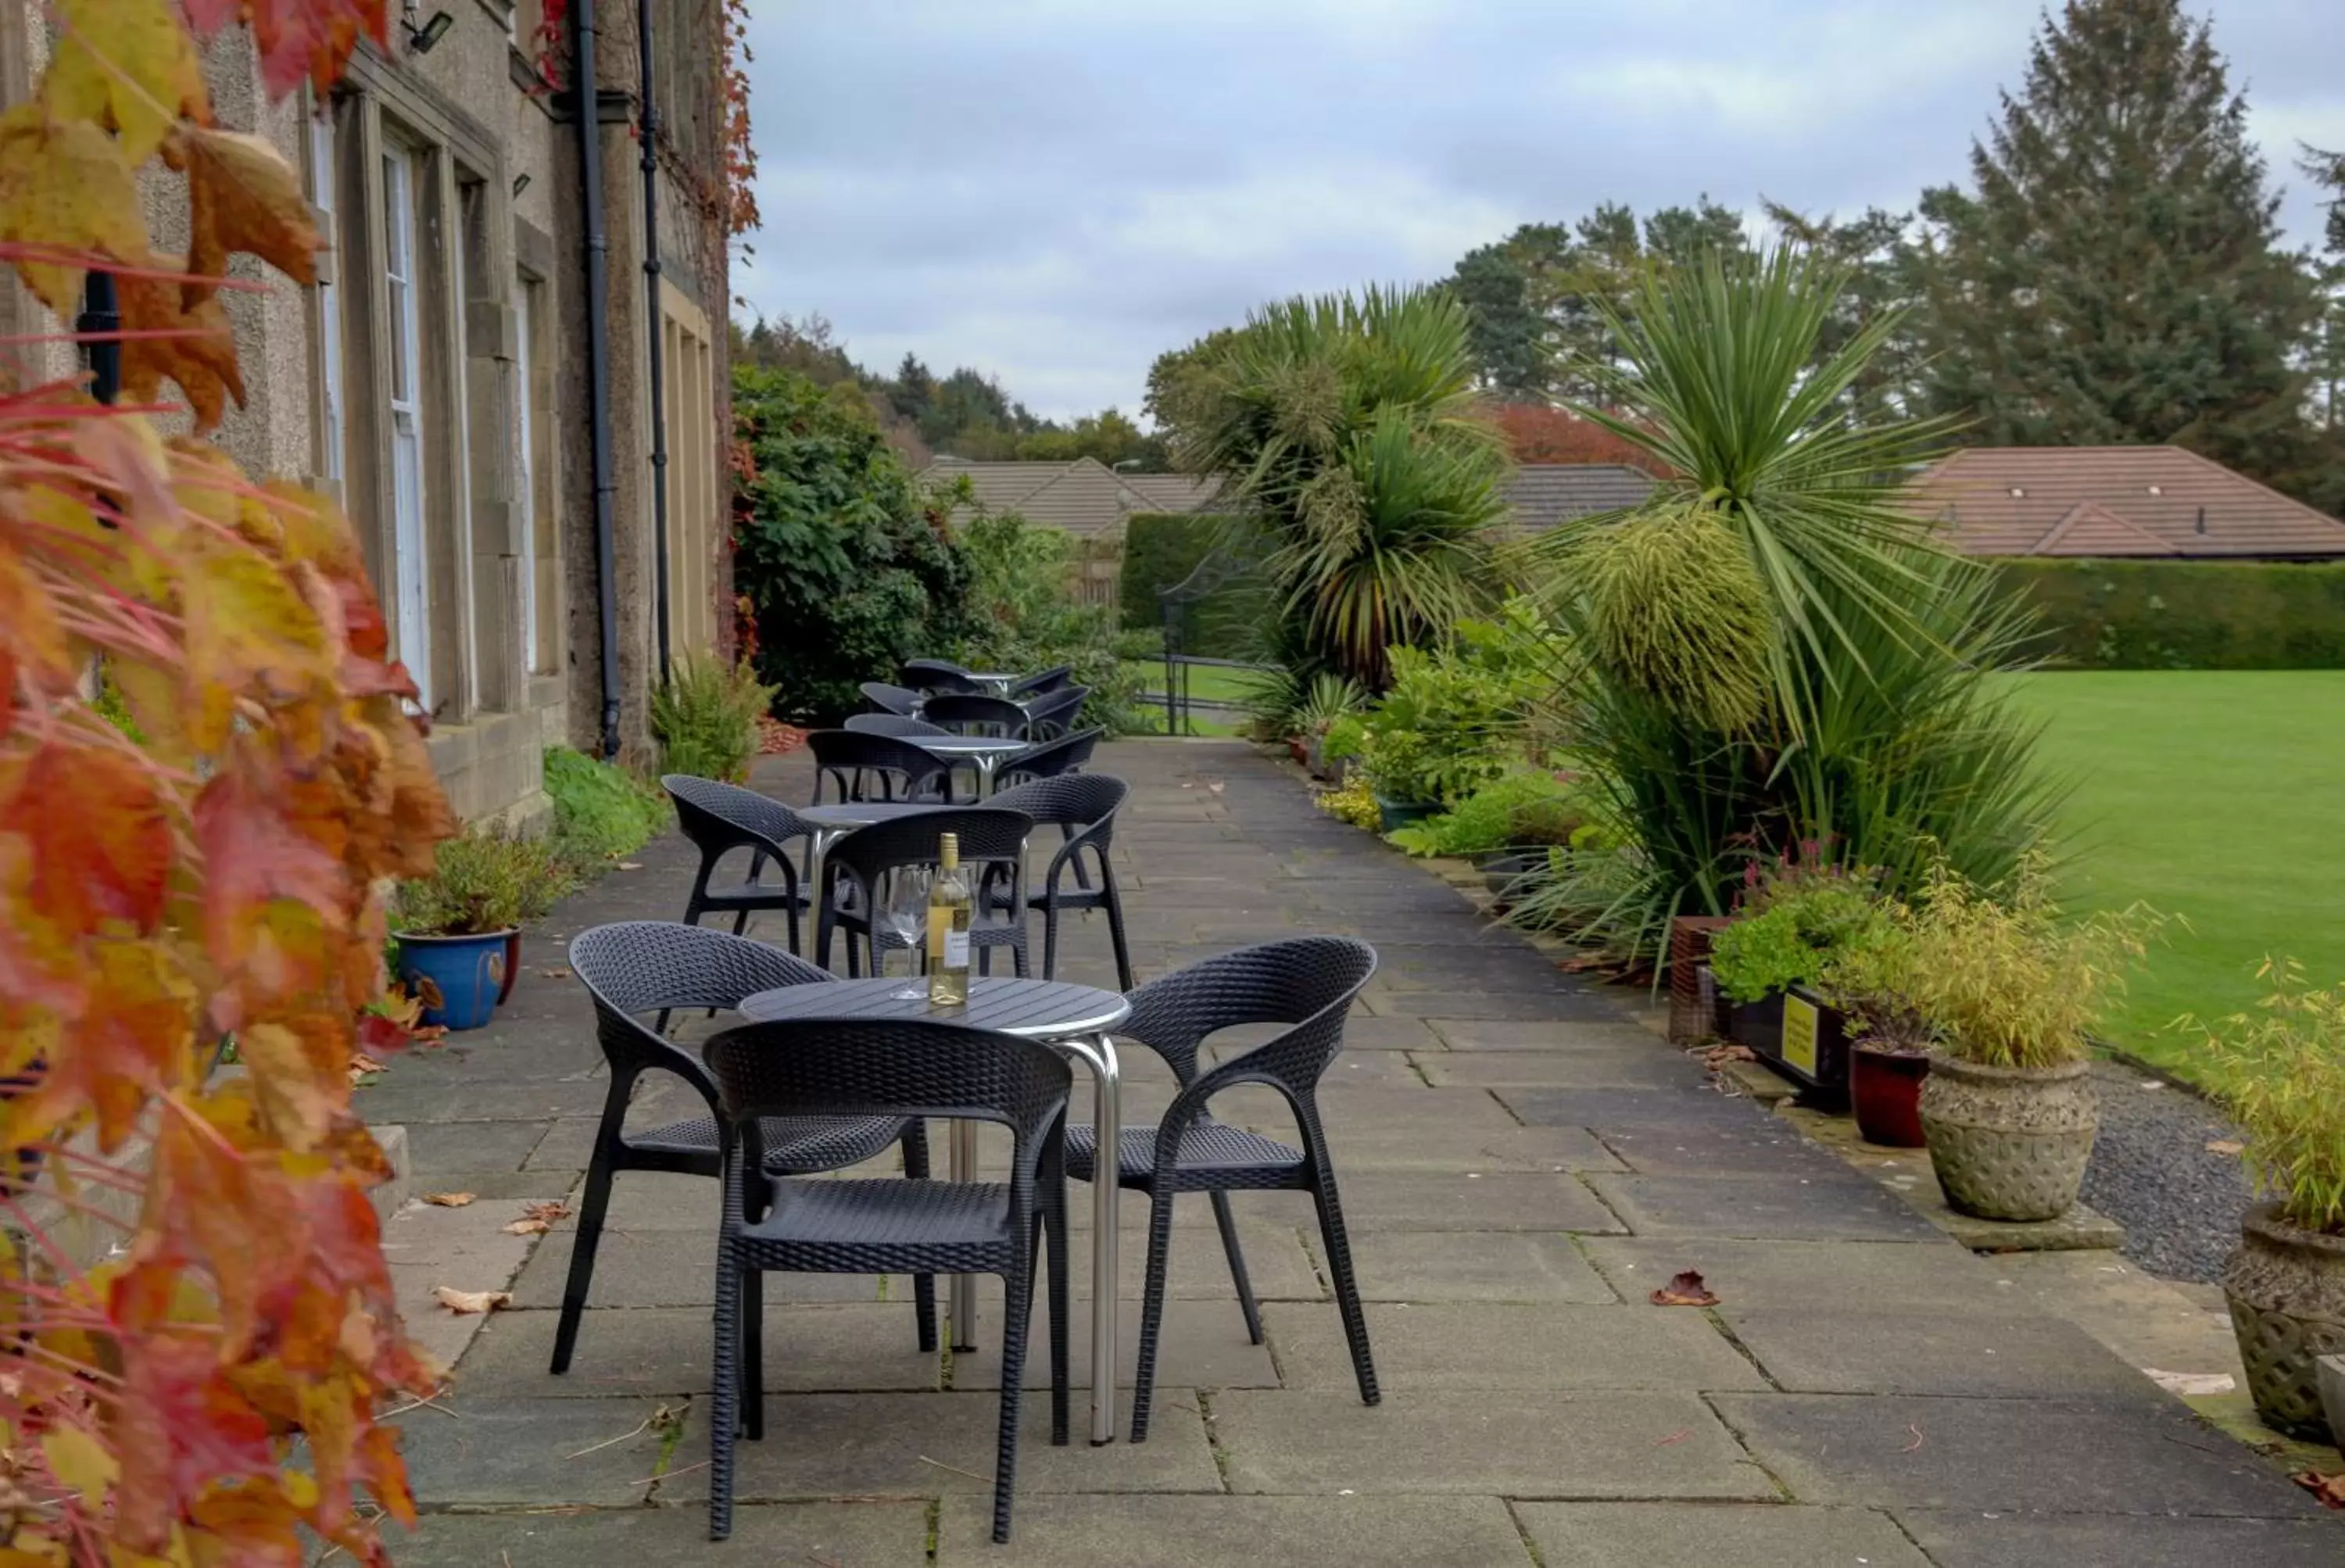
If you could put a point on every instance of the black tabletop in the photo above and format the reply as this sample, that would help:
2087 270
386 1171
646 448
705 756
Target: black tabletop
1039 1009
863 813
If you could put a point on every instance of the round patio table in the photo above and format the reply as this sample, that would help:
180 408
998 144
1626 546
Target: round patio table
840 818
1074 1019
1001 682
985 753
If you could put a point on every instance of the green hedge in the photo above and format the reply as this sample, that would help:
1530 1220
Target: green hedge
1160 550
2187 615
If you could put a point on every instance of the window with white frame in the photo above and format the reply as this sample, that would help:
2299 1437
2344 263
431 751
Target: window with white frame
411 571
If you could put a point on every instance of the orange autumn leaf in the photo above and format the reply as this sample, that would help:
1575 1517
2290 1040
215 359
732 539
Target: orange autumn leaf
241 195
101 846
127 64
199 354
298 38
65 185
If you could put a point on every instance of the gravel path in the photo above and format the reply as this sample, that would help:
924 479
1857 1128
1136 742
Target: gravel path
2153 1173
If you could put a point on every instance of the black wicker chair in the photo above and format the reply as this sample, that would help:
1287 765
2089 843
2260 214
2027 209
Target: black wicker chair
1055 714
976 715
895 724
907 1069
1306 981
885 698
1049 758
1043 680
863 767
1083 807
722 818
650 966
992 849
939 674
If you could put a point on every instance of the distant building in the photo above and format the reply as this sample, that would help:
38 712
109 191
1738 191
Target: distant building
1544 494
2141 502
1084 497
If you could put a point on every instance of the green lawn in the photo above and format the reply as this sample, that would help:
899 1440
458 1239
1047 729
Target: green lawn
1207 683
2219 795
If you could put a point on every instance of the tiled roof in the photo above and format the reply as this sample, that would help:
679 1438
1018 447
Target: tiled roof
1545 493
2113 500
1083 496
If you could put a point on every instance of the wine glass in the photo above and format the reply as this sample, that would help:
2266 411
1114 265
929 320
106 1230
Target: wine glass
905 917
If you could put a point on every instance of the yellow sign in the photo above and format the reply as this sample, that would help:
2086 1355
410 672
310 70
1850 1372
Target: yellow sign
1800 1035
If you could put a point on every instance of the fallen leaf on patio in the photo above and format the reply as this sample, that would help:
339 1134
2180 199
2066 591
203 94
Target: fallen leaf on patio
2191 1385
546 1211
362 1067
2225 1146
2328 1489
448 1199
429 1034
1217 787
554 973
2151 1084
631 865
1685 1289
1915 1444
462 1302
527 1227
1678 1436
1718 1057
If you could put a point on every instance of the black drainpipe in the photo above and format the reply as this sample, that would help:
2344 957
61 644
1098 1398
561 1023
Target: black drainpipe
649 139
598 357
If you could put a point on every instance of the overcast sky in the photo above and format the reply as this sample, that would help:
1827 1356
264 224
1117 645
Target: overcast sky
1057 191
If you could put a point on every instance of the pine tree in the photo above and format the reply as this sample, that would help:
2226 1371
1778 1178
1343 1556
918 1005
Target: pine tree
2115 275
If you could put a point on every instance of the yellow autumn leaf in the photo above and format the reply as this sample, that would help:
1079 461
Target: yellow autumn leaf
125 64
66 186
241 195
79 1461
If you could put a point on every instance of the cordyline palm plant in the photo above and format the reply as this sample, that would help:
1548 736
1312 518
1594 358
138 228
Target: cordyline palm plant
1346 428
1769 650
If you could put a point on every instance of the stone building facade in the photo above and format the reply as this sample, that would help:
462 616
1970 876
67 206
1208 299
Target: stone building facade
438 378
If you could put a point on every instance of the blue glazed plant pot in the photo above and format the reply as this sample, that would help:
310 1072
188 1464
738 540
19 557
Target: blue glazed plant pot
460 978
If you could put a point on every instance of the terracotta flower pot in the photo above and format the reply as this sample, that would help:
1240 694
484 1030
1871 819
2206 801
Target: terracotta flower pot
2009 1143
2287 1291
1886 1085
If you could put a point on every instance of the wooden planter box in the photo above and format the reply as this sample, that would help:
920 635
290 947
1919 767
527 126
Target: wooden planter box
1801 1039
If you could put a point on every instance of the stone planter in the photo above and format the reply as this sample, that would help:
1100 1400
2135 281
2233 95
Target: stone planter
1801 1039
2287 1291
2009 1143
2331 1376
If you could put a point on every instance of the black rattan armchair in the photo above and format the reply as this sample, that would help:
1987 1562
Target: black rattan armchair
722 818
1083 806
971 714
993 848
850 765
1306 981
1053 715
939 674
1049 758
911 1069
885 698
1043 680
897 724
650 966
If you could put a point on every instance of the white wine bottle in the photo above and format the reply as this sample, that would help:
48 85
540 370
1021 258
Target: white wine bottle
949 911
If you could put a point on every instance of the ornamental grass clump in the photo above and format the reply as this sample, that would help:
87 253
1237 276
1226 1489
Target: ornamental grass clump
2280 1071
2007 980
707 719
1676 612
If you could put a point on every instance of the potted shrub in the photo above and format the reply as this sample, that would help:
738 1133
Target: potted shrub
2281 1070
1871 981
2007 1112
458 928
1399 769
1332 699
1795 917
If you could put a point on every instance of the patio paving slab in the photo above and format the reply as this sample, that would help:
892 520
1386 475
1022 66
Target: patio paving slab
1745 1535
1759 1146
928 1445
1497 1200
1546 1035
1651 1445
2123 1456
1550 1150
1202 1344
665 1351
1843 1207
1453 1347
1932 1352
1825 1277
494 1451
1578 1067
1972 1539
676 1269
847 1535
1180 1532
1475 1266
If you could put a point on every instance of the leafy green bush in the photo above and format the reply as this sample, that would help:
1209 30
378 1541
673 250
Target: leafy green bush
1451 720
600 812
486 879
2281 1072
1352 802
1142 643
1793 934
707 719
2184 614
1529 808
849 568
